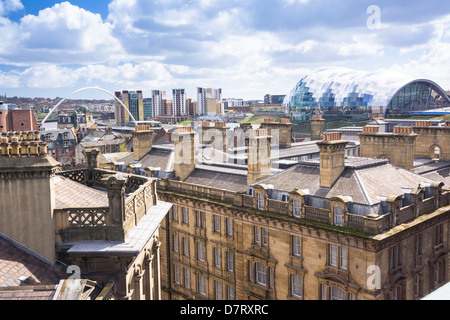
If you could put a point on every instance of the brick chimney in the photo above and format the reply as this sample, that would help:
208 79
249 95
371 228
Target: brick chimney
317 127
332 158
142 141
258 155
184 142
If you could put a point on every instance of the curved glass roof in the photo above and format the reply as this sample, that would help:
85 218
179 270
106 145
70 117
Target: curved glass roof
337 94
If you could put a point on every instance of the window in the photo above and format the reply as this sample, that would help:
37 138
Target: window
230 261
296 286
218 289
260 236
261 276
438 235
175 243
337 294
323 292
229 226
66 144
338 216
176 271
296 208
417 285
185 215
199 219
296 246
231 293
260 201
285 197
201 251
216 223
338 256
438 273
217 257
185 246
175 213
418 245
187 278
201 284
394 257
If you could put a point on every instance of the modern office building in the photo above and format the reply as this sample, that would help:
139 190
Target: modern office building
134 102
346 96
273 99
203 95
148 108
179 102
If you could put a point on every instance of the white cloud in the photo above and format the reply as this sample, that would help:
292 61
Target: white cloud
7 6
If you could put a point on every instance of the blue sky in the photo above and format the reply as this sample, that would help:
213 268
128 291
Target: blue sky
247 48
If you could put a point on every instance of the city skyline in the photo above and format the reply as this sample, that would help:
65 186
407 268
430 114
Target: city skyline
51 48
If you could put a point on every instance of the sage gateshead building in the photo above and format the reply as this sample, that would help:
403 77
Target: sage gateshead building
348 96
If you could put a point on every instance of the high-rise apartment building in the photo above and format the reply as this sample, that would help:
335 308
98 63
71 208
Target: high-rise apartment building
179 102
167 107
203 94
157 99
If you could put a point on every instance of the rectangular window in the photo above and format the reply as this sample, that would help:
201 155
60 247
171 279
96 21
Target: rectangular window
394 257
230 261
337 294
250 271
257 232
229 223
216 223
418 245
185 246
296 285
343 258
176 271
175 243
260 201
323 292
199 219
438 235
185 215
175 213
296 246
202 284
296 208
264 237
261 275
218 290
231 293
333 255
187 278
201 251
217 257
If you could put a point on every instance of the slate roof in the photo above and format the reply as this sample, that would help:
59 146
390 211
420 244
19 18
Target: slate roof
364 180
219 177
70 194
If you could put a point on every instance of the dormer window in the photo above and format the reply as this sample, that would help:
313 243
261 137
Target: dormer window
338 216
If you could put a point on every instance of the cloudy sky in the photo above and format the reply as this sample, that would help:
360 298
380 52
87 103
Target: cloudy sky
248 47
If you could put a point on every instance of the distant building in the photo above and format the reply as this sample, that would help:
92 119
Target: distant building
167 108
204 94
61 144
148 108
179 102
134 102
191 107
157 100
14 119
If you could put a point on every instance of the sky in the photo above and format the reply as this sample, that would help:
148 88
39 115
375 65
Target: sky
248 48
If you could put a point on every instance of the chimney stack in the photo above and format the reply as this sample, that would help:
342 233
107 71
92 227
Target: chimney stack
332 158
317 123
184 142
283 129
258 155
142 141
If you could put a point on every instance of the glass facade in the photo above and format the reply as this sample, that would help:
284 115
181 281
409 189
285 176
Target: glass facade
417 96
348 96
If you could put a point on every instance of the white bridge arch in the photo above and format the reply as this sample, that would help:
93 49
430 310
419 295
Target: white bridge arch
89 88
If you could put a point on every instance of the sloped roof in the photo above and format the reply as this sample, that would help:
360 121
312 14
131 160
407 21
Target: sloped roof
363 179
219 178
70 194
